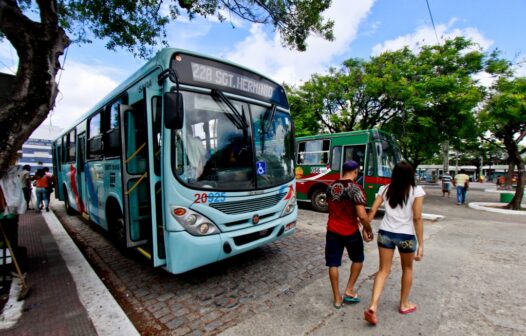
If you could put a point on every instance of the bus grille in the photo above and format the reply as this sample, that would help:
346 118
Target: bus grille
243 206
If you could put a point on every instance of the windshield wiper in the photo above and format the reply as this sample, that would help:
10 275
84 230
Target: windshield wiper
268 117
237 119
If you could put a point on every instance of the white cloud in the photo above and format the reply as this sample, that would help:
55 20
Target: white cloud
263 52
81 87
425 35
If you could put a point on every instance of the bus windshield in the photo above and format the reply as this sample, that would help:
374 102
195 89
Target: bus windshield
227 144
388 156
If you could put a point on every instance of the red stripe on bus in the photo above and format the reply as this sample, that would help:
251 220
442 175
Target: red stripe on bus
377 180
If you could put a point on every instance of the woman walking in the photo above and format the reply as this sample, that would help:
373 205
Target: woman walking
401 222
42 184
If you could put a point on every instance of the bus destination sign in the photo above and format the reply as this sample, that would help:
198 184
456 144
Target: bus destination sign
212 75
202 71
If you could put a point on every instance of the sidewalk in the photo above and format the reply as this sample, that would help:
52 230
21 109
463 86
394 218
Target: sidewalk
66 296
52 306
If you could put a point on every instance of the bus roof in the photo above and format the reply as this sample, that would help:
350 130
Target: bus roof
162 60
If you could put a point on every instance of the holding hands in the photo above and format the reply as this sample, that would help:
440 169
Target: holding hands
367 234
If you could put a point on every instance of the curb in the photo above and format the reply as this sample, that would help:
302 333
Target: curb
107 316
432 217
489 206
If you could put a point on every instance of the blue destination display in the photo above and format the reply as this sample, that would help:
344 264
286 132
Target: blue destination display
226 77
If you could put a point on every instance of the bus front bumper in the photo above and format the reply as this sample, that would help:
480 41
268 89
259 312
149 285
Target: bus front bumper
185 252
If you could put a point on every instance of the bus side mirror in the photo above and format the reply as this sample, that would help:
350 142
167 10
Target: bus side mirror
173 110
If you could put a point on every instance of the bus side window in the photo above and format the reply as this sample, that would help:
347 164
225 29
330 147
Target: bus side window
95 136
301 153
336 158
113 135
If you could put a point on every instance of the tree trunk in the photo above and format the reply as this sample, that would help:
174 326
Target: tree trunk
39 46
515 159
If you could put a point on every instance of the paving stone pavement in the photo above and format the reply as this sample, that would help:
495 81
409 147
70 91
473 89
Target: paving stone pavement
207 300
52 306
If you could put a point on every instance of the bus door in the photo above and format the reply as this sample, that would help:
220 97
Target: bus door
81 172
141 176
356 153
135 175
153 100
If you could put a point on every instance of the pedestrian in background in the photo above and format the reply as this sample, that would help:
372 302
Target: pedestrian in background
25 180
346 200
42 184
401 228
461 182
50 182
446 184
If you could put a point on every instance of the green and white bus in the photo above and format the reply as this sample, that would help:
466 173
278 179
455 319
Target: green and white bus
189 161
319 159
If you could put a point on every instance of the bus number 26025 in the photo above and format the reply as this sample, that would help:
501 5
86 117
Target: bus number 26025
213 197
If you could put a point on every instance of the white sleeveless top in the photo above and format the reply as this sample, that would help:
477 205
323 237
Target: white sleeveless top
400 219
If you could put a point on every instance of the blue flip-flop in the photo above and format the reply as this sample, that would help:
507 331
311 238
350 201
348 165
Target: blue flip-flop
351 299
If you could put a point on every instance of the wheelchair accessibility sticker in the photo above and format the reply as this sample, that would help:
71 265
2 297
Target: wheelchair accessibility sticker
261 168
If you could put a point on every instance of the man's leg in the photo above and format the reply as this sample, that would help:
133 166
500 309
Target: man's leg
459 195
356 268
335 284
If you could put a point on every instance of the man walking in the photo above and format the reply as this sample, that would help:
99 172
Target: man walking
461 181
346 200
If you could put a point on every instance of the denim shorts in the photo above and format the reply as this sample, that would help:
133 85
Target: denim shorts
406 243
335 244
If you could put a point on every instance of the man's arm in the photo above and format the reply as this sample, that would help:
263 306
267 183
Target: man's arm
364 219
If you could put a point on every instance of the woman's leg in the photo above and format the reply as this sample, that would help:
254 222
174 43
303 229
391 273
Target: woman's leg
406 260
386 259
39 199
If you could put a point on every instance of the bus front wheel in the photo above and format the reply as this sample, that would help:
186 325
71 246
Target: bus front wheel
319 201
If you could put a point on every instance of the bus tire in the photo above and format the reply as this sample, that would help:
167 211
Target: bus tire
116 228
319 201
69 210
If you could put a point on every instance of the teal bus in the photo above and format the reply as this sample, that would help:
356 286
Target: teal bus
189 161
319 159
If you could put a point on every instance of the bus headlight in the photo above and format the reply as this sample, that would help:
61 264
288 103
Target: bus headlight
290 206
193 222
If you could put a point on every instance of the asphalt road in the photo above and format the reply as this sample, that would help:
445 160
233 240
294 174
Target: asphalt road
471 281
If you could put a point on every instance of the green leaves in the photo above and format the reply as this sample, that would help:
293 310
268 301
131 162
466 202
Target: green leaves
140 26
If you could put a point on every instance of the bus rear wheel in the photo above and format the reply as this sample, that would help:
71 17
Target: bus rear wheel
69 210
117 230
319 201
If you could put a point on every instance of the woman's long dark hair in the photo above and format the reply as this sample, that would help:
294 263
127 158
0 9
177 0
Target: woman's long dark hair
402 180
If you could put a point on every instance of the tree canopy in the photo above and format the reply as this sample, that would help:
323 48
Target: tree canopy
423 97
40 31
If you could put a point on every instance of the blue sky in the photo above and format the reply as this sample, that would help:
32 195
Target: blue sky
362 28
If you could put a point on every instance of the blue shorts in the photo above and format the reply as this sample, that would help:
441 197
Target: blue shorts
406 243
335 243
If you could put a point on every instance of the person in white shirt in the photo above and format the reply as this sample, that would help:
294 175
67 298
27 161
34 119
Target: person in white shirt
401 228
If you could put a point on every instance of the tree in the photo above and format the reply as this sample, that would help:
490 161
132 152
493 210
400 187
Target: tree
138 26
443 96
505 117
347 99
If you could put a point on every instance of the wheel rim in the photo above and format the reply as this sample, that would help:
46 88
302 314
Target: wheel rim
321 200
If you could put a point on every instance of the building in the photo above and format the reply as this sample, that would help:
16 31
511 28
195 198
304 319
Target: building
36 151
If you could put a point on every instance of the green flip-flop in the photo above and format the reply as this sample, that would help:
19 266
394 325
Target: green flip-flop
351 299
